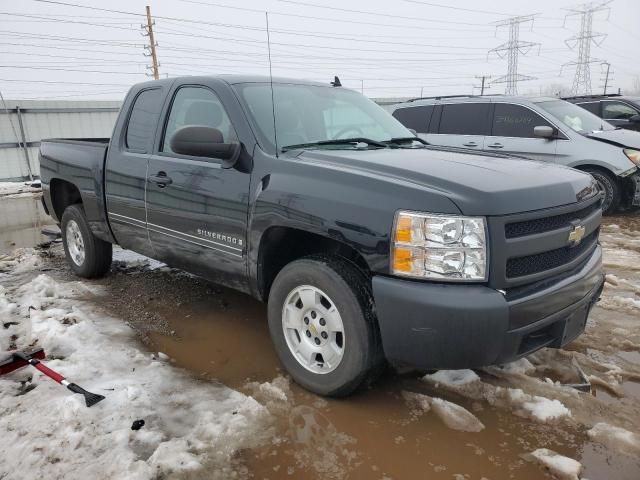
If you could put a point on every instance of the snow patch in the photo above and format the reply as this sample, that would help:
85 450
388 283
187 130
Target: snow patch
13 188
191 427
523 404
616 438
561 467
452 377
452 415
133 259
456 417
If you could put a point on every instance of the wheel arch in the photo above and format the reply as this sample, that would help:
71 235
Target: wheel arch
280 245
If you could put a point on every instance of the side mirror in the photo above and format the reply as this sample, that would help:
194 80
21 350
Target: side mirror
635 119
199 141
544 132
413 131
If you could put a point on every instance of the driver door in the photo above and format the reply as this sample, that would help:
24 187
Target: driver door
197 210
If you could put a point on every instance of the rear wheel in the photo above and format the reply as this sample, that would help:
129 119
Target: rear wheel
608 185
87 255
323 326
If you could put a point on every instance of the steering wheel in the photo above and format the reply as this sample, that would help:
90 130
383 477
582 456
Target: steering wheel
357 130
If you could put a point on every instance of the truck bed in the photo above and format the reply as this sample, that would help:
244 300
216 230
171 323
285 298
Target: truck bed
80 163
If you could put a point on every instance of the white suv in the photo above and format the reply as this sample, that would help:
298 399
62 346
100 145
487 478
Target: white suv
546 129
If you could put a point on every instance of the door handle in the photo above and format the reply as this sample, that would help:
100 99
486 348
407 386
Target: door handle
160 179
470 144
496 145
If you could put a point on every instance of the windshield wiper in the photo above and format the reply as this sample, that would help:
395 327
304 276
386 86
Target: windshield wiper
337 141
401 140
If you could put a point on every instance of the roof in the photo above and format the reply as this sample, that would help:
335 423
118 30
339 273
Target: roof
478 98
236 79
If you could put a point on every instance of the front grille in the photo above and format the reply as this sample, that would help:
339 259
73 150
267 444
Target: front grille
539 262
547 224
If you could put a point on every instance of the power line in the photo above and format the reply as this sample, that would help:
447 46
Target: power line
311 17
473 10
377 14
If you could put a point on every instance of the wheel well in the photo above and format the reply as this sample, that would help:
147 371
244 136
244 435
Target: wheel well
282 245
595 167
63 194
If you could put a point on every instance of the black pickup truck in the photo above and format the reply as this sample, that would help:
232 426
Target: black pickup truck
369 245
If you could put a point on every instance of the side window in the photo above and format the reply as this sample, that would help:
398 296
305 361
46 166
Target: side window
516 121
417 118
593 107
197 106
143 120
617 111
465 119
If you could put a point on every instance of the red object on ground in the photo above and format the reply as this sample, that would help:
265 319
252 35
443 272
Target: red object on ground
11 363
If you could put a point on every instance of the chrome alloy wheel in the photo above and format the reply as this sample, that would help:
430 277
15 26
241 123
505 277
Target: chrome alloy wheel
313 329
75 243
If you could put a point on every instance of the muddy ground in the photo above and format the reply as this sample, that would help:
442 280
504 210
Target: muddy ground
382 432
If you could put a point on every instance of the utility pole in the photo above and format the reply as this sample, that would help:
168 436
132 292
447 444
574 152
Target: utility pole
482 87
512 49
152 44
583 40
606 76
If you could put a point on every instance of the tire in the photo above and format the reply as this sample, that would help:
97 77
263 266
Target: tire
334 282
87 255
610 188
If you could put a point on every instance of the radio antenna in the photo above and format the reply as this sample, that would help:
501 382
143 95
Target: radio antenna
273 103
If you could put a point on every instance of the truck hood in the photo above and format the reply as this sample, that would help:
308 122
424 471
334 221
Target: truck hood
478 184
619 137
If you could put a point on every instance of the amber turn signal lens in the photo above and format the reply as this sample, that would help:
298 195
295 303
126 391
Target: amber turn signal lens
402 259
403 229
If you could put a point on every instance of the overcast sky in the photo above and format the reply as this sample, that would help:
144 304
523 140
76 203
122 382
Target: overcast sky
393 48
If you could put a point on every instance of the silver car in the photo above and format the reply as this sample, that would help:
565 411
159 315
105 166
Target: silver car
547 129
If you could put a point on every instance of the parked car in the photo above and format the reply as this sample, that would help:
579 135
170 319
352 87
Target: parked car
546 129
366 243
620 111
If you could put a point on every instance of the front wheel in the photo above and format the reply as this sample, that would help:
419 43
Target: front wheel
610 189
87 255
323 326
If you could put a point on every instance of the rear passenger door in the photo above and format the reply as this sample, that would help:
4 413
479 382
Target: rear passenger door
512 133
462 125
126 169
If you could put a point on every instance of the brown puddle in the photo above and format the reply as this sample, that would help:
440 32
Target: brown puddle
373 434
21 221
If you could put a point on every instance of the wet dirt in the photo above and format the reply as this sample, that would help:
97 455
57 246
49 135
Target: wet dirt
222 336
22 219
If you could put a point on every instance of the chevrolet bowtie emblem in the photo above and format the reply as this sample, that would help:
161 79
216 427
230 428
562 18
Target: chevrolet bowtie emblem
576 235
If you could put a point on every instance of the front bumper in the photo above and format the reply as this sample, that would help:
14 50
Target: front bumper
450 326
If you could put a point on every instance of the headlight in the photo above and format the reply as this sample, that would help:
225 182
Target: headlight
441 247
633 155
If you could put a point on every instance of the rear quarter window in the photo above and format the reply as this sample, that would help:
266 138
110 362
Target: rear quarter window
143 120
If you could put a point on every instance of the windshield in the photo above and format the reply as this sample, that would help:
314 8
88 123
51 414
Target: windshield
575 117
307 114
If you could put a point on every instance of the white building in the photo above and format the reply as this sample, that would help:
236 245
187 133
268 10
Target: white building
24 123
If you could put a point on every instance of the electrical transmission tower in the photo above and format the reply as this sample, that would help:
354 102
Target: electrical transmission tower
512 49
583 41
